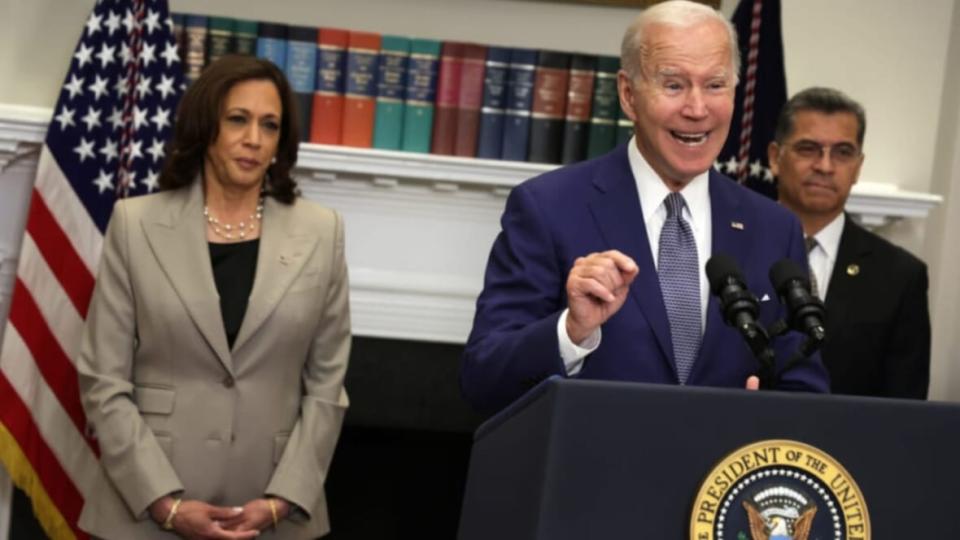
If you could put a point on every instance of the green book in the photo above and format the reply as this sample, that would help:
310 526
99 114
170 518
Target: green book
391 87
624 128
605 110
420 95
219 38
245 38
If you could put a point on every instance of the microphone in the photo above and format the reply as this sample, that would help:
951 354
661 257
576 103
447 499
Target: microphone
805 312
738 305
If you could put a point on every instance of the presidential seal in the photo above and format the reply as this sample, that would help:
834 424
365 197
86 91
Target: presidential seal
779 490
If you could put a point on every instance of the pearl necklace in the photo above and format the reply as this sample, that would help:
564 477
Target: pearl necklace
227 230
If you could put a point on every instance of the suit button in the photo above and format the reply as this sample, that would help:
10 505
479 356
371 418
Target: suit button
228 381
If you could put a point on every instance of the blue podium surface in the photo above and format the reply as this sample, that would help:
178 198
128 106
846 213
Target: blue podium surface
579 460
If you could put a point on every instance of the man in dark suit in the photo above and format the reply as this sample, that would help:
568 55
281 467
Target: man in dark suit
878 324
598 271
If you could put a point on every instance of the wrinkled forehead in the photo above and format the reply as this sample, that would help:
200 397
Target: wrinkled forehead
702 49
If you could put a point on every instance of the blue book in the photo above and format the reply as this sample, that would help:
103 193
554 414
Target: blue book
516 125
272 43
301 70
490 138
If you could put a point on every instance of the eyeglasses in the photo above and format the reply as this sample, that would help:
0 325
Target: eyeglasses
840 153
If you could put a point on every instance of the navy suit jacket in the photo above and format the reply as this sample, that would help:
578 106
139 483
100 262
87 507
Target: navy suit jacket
593 206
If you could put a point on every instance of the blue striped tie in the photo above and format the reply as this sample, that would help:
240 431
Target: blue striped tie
679 274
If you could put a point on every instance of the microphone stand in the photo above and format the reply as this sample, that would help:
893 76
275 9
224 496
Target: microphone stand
756 336
811 345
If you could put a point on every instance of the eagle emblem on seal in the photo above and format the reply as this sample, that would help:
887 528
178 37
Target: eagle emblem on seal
780 513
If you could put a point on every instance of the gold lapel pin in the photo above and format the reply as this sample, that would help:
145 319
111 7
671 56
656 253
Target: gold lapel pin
736 225
853 269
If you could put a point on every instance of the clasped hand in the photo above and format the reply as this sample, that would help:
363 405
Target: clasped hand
202 521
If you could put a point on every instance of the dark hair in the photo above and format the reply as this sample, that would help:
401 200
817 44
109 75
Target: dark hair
824 100
198 124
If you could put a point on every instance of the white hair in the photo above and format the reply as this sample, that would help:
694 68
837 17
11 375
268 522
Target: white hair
679 14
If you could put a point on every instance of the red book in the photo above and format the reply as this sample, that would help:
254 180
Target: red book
470 99
327 120
360 98
448 98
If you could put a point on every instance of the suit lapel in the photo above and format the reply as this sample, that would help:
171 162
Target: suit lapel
852 250
284 249
177 238
615 206
731 227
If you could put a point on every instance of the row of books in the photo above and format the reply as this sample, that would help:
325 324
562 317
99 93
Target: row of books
365 89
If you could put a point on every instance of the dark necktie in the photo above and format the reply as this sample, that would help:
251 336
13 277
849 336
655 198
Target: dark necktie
679 272
811 243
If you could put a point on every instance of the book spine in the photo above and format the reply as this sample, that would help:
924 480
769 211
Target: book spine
245 37
448 97
180 36
391 84
301 71
196 47
421 93
605 108
220 32
272 43
519 100
490 137
549 107
579 99
359 104
470 99
327 123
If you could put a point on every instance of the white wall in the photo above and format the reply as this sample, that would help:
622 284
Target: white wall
891 55
941 249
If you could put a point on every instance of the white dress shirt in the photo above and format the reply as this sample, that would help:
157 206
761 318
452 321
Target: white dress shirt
823 257
652 192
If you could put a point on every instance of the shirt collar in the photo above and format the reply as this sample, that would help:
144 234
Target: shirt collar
829 237
652 190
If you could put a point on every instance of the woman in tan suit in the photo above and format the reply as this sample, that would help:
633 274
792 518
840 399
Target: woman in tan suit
217 339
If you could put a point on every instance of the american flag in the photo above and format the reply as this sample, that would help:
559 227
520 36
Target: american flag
761 94
106 140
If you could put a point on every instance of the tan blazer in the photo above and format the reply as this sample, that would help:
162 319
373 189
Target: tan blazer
173 408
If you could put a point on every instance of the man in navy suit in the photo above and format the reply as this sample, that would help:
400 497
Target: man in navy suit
878 322
583 278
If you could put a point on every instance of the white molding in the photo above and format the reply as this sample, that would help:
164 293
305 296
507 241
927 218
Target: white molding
22 130
420 226
878 204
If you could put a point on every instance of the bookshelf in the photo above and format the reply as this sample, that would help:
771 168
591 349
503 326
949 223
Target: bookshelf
419 226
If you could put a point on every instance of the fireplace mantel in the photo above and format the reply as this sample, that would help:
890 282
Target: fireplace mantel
419 227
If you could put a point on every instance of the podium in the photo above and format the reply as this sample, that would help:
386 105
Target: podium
577 459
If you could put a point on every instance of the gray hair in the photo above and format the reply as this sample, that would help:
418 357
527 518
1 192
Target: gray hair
823 100
676 13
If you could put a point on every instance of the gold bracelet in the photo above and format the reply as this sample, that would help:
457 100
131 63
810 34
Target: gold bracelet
273 510
168 523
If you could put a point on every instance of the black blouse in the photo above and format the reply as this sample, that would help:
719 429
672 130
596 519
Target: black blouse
234 267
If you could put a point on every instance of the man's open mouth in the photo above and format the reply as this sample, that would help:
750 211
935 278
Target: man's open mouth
690 139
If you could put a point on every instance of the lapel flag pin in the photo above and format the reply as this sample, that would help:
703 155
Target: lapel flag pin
736 225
